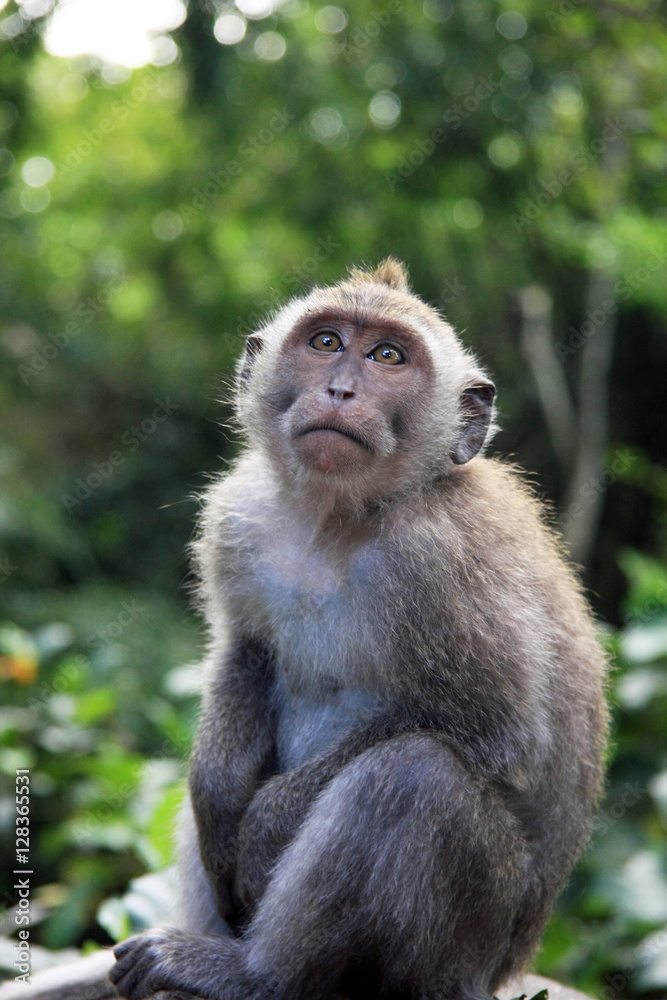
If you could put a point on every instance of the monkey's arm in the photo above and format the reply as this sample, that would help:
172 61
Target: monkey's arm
279 807
281 804
233 747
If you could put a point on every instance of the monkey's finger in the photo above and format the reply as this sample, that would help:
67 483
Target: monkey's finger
135 981
134 959
123 948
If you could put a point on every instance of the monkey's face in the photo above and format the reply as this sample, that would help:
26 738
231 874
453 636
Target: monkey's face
346 395
361 390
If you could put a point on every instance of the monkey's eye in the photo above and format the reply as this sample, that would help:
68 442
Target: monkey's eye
327 341
385 354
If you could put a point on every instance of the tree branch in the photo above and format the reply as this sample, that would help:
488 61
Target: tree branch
537 347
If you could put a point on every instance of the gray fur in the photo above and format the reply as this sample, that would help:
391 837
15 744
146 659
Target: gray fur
400 744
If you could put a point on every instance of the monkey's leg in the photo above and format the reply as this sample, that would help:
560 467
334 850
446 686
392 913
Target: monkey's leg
406 867
407 872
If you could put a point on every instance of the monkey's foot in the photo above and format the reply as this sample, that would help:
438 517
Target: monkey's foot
168 959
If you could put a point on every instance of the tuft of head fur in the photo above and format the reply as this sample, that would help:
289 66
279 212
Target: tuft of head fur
389 271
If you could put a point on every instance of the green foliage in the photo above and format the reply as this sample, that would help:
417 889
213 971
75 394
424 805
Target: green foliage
493 146
610 927
106 771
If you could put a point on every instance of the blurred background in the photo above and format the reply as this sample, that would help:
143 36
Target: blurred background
169 174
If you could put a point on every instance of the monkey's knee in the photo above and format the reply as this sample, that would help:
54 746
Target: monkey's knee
413 795
376 872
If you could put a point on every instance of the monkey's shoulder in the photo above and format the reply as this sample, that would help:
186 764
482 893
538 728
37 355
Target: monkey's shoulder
460 514
236 504
481 539
486 510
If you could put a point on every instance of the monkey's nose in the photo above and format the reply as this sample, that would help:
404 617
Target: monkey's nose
339 393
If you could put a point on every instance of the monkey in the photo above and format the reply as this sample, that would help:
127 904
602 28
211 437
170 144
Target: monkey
402 734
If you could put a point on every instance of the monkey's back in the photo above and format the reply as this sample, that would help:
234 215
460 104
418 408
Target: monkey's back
517 670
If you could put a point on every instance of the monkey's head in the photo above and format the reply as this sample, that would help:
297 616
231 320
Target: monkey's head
363 388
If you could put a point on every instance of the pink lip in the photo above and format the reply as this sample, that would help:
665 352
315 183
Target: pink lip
323 426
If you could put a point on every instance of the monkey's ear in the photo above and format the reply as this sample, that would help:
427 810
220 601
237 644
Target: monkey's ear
253 346
476 409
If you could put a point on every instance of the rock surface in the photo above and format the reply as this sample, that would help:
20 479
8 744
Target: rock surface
85 980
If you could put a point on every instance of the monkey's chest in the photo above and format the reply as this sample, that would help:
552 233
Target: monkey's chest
324 627
309 722
321 618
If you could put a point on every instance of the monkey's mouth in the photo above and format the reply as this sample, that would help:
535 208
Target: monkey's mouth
338 429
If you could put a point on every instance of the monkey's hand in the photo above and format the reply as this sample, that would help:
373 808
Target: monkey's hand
169 959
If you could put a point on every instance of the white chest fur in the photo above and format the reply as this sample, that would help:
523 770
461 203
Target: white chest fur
310 603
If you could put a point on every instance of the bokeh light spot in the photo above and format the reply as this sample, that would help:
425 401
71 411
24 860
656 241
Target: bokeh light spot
504 151
566 101
8 114
511 24
35 8
72 88
467 213
504 108
326 123
36 171
270 46
429 51
385 109
438 10
515 89
516 63
164 51
11 26
330 20
385 74
117 31
256 9
230 29
167 225
10 203
35 199
6 161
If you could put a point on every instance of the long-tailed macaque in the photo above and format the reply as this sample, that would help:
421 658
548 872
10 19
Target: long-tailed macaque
400 744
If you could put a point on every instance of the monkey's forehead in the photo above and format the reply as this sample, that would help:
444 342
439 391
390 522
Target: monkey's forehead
366 303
